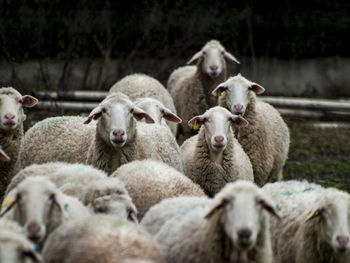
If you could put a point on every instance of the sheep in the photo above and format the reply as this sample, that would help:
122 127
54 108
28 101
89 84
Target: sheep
143 86
100 239
159 113
3 155
14 246
116 139
148 182
214 157
233 227
266 138
91 186
168 208
190 86
40 207
314 226
11 130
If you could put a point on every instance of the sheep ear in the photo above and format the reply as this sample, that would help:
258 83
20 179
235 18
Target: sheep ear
256 88
230 57
10 202
219 90
196 122
195 57
169 116
4 156
94 115
140 114
29 101
58 200
269 207
313 213
239 120
216 208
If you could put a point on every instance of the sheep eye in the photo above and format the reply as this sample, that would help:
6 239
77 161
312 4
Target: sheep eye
103 110
100 210
20 101
132 110
204 53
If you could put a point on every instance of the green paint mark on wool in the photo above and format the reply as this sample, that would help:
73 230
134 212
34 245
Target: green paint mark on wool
52 122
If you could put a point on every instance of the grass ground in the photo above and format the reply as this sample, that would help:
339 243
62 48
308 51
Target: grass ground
319 155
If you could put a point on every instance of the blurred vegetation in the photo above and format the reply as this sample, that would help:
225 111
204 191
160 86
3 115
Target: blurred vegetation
38 29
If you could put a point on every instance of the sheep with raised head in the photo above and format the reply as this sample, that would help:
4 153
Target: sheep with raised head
116 139
91 186
40 207
233 227
138 85
190 86
100 239
148 182
11 130
14 246
214 157
314 225
266 138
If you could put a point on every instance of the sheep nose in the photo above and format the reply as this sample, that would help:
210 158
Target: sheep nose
244 235
219 139
33 230
343 242
238 108
118 135
9 116
213 67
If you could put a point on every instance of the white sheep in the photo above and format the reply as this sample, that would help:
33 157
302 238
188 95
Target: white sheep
191 86
148 182
11 130
143 86
14 246
91 186
233 227
214 157
39 206
116 139
158 112
314 226
100 239
266 139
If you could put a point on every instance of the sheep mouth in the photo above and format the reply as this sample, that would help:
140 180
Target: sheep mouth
9 124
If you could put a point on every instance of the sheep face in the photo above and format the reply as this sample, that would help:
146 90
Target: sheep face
156 110
116 124
118 205
217 123
237 90
36 203
334 222
11 108
211 59
241 205
15 249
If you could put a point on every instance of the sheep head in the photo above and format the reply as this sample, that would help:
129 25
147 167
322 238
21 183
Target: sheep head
11 108
237 90
115 115
211 59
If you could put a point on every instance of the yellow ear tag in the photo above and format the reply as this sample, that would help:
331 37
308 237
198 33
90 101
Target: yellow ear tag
316 213
219 92
7 202
195 125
